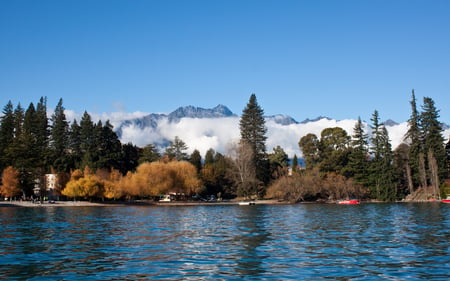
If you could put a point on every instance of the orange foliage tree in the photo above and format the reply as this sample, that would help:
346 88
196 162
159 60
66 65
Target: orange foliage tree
84 184
10 180
156 178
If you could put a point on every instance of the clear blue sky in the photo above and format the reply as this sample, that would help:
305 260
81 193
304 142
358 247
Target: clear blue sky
342 59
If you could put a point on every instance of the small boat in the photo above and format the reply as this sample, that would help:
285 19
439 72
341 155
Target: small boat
446 200
349 202
247 203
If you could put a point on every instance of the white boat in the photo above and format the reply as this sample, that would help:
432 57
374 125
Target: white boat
247 203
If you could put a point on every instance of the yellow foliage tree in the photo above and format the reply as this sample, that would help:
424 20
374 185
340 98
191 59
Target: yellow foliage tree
113 187
156 178
10 180
87 186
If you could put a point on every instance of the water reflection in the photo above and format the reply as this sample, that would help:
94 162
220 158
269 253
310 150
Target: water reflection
292 242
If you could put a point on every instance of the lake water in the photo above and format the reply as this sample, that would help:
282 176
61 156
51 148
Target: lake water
262 242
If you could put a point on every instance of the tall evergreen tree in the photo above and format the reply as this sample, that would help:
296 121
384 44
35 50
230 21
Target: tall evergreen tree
149 154
196 160
59 139
107 147
6 134
414 140
87 145
130 157
177 150
432 136
75 150
209 156
357 167
253 133
42 133
382 179
295 163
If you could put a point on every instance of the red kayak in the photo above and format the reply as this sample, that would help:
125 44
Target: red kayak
348 202
446 200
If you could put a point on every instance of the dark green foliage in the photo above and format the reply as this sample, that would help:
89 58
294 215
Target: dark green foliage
310 146
177 150
214 175
209 156
382 181
59 140
357 167
196 160
253 132
334 150
130 158
279 162
295 163
7 124
413 138
149 154
432 136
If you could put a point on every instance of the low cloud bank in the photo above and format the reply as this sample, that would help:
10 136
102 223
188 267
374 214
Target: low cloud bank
218 133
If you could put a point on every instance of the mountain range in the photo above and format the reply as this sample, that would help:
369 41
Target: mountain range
218 127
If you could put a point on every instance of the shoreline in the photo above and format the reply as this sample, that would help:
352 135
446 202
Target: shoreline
30 204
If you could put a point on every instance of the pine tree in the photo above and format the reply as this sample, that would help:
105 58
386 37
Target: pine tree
196 160
130 158
209 156
414 140
294 163
75 147
42 133
59 139
177 150
433 141
382 180
6 135
149 154
253 133
87 144
357 167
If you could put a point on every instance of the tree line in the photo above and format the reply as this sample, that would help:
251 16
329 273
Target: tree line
91 163
366 166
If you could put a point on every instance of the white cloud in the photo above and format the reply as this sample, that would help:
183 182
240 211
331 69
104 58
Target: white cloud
217 133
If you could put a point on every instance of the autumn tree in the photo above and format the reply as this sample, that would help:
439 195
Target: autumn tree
244 170
85 185
10 182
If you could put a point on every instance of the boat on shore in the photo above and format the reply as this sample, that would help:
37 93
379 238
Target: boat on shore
446 200
348 202
246 203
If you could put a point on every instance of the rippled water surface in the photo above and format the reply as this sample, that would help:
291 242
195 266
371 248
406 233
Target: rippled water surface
287 242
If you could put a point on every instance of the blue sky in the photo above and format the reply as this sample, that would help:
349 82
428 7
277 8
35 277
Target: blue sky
341 59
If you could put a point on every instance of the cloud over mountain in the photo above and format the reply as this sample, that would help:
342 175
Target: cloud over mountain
217 128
